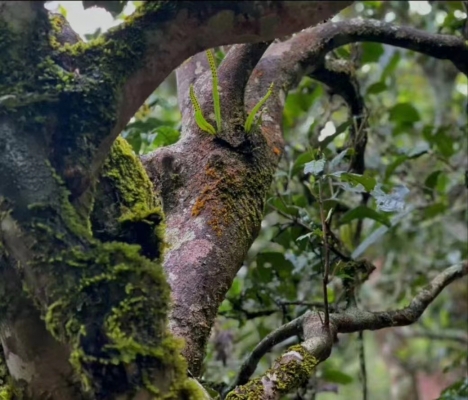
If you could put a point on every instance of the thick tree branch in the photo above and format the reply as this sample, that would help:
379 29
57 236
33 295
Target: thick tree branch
318 341
213 190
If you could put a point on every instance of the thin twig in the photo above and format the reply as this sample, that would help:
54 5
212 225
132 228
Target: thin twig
326 256
362 366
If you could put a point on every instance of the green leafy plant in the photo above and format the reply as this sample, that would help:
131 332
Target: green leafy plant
203 124
214 76
250 118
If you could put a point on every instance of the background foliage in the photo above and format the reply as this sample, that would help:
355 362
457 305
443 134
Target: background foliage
412 226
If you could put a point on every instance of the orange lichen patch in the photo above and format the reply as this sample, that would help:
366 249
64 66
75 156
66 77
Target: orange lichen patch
276 151
218 196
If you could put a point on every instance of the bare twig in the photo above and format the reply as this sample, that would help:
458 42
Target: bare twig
326 256
362 365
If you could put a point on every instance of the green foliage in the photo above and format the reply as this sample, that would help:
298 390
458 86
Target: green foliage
457 391
251 116
202 123
214 76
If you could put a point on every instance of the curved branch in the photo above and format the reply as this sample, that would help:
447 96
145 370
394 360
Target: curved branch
161 35
287 62
357 320
266 344
339 76
318 341
235 71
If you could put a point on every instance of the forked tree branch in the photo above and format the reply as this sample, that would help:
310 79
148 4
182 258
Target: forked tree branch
161 35
318 341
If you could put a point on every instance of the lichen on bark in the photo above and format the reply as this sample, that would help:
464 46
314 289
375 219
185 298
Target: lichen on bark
290 371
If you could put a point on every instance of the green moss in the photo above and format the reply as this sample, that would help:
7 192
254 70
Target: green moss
293 374
105 299
5 390
288 376
126 208
6 393
192 390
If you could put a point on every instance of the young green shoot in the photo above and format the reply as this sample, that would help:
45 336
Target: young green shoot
202 123
216 102
250 118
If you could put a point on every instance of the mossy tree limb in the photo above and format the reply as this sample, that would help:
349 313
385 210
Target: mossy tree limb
92 311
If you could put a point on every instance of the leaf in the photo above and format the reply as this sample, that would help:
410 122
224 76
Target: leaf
306 236
277 261
379 233
391 66
434 210
214 395
377 87
315 167
371 52
366 181
394 165
456 391
214 76
343 52
202 123
339 130
303 159
362 212
410 154
442 141
431 182
391 202
418 150
250 118
404 113
236 288
336 376
288 209
62 10
336 161
164 136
